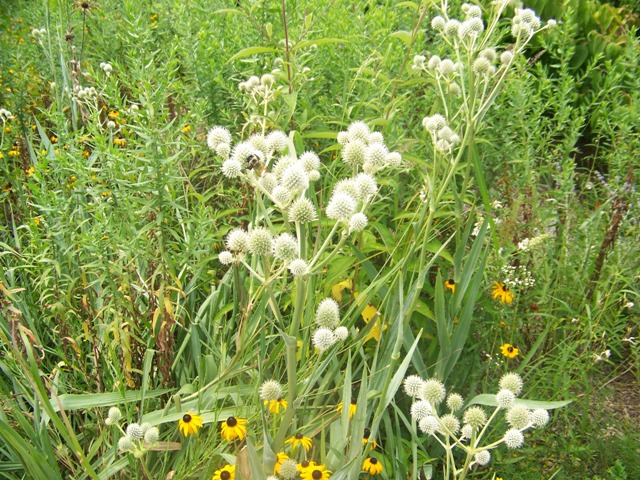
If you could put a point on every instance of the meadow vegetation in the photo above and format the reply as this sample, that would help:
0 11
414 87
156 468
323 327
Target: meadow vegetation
312 240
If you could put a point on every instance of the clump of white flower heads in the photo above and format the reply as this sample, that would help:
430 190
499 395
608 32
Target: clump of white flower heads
524 24
38 33
270 390
443 137
137 439
517 277
218 135
107 68
363 148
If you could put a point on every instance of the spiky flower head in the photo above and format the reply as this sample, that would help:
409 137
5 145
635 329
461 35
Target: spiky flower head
482 457
455 402
289 469
341 206
434 123
298 267
539 417
225 257
223 149
438 23
394 159
513 438
513 382
282 164
446 67
490 54
358 131
429 425
285 247
474 416
376 137
259 142
354 153
314 175
281 195
134 431
506 57
237 240
434 62
365 184
328 313
310 161
113 416
483 67
341 333
295 178
323 338
413 385
218 135
152 435
343 138
125 444
421 409
302 210
260 241
434 391
518 417
231 168
276 141
358 222
466 431
347 185
243 151
270 390
450 424
451 27
505 398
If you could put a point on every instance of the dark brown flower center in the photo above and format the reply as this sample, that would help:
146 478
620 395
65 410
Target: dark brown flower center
317 474
186 418
299 436
373 461
451 282
232 421
367 433
305 464
510 349
225 475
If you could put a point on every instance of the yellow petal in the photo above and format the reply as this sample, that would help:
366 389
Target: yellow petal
336 290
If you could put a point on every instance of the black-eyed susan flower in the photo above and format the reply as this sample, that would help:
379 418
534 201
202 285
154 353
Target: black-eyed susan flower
451 285
190 423
274 406
317 472
509 350
502 292
232 428
306 465
352 408
228 472
299 439
280 458
372 466
366 438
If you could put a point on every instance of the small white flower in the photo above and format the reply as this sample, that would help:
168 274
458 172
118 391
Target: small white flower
323 338
298 267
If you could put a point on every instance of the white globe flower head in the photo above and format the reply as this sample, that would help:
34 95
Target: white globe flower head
314 175
365 184
354 153
413 385
506 57
475 417
125 444
434 123
281 196
482 457
218 135
343 138
310 161
513 438
341 206
341 333
134 431
298 268
450 424
302 210
358 222
231 168
295 179
434 391
438 23
394 159
358 131
451 27
223 150
285 247
268 181
152 435
518 417
282 165
434 62
513 382
277 141
421 409
237 240
376 137
429 425
455 402
347 185
466 431
270 390
260 242
539 417
505 398
114 415
328 313
259 142
225 257
323 338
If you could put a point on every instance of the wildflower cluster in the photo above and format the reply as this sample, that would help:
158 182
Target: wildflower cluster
517 276
453 426
137 439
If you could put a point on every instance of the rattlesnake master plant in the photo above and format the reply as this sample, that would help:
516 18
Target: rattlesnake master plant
466 429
